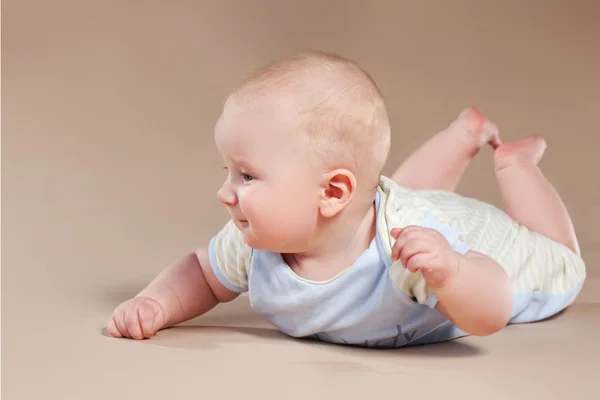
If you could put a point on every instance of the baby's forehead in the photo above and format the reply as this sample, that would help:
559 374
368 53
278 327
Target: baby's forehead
277 122
255 139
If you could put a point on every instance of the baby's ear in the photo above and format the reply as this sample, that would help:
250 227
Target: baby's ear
338 189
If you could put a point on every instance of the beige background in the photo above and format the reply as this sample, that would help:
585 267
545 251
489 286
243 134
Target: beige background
109 173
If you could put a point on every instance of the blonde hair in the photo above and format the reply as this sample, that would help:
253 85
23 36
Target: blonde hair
340 108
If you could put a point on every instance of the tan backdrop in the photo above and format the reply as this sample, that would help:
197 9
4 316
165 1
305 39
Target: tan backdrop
109 172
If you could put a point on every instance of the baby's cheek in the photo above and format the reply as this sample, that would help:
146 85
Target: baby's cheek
259 210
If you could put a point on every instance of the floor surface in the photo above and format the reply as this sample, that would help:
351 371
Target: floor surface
109 173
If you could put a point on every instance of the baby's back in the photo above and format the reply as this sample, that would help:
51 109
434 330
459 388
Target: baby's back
482 226
534 263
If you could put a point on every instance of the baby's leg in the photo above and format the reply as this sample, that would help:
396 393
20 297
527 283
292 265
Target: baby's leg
442 160
528 196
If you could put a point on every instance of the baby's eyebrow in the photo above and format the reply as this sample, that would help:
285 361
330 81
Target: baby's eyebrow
243 164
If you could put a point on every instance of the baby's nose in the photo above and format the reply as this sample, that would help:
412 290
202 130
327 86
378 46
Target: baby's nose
227 196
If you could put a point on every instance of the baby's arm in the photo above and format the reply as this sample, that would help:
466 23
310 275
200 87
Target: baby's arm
186 289
478 298
469 288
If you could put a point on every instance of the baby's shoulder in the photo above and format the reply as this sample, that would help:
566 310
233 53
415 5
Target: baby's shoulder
399 201
229 244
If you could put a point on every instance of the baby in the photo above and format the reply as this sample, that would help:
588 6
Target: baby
330 249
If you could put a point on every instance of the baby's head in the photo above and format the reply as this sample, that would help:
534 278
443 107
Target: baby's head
304 139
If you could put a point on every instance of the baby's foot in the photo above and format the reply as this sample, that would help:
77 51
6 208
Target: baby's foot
475 126
526 152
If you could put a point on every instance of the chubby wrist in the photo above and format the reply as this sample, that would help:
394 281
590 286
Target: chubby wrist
438 280
478 299
166 300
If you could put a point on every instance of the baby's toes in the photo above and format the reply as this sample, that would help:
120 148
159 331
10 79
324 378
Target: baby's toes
490 135
475 126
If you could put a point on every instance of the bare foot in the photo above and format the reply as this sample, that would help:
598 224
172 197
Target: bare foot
475 126
526 152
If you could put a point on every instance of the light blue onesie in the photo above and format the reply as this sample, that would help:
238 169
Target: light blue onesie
377 303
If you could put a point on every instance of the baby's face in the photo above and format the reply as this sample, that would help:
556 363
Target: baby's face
272 187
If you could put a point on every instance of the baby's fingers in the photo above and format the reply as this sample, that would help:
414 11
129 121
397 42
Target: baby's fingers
111 328
119 321
402 236
147 317
411 240
396 232
132 322
412 248
418 261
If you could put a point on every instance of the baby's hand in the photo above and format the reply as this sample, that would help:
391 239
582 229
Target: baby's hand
137 318
426 250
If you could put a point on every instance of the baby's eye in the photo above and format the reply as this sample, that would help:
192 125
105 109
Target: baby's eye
247 178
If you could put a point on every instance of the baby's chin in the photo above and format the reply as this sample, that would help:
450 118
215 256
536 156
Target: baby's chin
251 240
257 243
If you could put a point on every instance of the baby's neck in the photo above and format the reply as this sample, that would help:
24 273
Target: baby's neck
340 245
